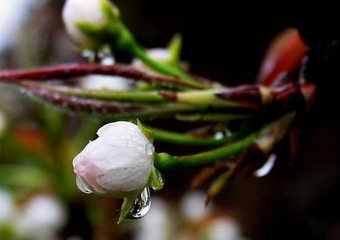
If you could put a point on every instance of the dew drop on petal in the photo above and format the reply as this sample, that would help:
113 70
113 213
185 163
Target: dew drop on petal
141 205
150 149
82 186
267 167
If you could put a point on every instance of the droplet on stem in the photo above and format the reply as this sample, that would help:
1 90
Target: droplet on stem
141 205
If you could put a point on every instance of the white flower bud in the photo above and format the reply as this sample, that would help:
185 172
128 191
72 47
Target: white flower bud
86 11
41 218
118 163
103 82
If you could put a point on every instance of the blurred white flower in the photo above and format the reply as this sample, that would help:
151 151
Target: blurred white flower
193 206
89 11
103 82
7 207
161 55
13 14
157 225
118 163
41 218
224 229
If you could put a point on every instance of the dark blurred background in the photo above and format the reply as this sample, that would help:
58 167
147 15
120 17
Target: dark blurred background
226 42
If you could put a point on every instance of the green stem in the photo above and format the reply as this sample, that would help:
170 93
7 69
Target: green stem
213 117
165 69
164 161
187 140
122 39
203 99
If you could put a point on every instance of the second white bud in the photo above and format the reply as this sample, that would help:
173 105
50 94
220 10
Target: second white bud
93 12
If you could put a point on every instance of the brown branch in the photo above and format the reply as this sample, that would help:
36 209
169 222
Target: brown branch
66 71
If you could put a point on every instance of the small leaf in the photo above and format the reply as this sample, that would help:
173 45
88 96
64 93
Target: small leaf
174 48
110 10
274 133
147 132
156 181
218 184
126 207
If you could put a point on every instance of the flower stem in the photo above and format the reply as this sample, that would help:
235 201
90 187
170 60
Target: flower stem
165 69
265 139
164 161
187 140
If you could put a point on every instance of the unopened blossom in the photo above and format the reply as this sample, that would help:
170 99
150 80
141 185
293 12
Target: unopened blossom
88 12
104 82
41 218
118 163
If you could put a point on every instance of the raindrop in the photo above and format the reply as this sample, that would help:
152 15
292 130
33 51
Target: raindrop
82 185
160 176
150 149
105 56
141 205
222 134
89 55
267 167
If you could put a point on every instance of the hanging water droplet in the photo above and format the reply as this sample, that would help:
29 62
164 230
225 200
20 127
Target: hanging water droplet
150 149
267 167
105 56
89 55
82 186
160 176
141 205
222 134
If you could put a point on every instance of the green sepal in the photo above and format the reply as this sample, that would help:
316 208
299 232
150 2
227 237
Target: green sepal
156 181
110 10
89 29
175 48
126 207
147 132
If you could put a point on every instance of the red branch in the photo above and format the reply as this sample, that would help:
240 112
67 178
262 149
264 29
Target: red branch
67 71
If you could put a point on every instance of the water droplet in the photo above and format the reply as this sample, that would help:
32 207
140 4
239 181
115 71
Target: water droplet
105 56
160 176
108 61
150 149
222 134
267 167
89 55
82 185
81 167
141 205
